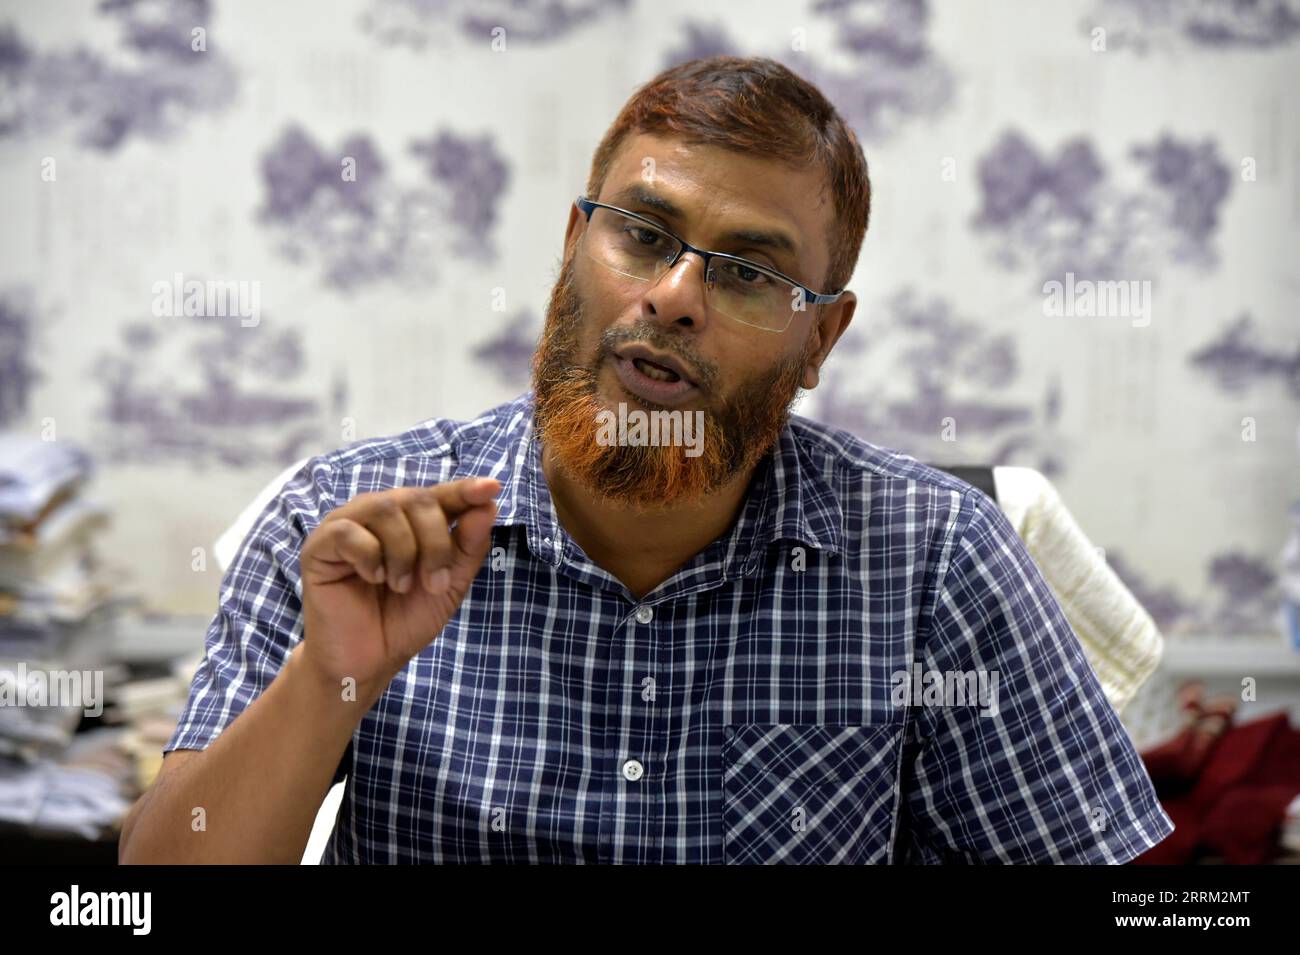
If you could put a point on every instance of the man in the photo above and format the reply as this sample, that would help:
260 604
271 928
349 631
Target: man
547 636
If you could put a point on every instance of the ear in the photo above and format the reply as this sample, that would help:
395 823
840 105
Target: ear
571 231
831 324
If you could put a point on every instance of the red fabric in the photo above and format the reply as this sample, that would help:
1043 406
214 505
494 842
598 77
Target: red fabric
1235 803
1175 766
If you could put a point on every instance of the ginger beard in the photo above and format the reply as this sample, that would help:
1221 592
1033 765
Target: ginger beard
737 432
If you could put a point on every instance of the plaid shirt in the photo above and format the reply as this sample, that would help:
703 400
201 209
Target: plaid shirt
752 708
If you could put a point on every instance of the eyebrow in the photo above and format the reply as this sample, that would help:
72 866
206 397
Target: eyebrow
772 239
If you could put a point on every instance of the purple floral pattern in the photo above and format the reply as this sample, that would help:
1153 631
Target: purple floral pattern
412 23
345 212
1238 359
155 83
18 374
1069 213
1147 25
884 74
509 353
924 365
244 399
1240 596
121 92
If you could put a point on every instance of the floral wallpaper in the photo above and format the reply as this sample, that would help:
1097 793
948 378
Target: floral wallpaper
373 193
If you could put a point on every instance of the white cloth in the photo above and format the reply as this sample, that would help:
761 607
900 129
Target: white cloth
1119 638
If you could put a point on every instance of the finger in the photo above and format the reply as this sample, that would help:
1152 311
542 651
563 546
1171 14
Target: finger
386 519
457 497
341 548
454 497
431 534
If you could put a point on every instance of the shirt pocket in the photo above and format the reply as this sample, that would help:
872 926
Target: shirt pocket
808 794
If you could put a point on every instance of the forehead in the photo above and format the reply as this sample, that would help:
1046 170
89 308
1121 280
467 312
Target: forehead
721 192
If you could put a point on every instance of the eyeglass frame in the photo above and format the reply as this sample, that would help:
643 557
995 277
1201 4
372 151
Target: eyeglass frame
588 206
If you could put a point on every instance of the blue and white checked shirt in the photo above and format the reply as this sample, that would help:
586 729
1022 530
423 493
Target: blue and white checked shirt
744 711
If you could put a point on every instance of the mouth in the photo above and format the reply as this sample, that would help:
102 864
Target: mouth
660 367
656 379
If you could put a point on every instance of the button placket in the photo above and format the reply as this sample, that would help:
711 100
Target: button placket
634 769
641 787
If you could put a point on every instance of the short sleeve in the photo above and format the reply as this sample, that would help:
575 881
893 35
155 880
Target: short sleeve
259 613
1037 768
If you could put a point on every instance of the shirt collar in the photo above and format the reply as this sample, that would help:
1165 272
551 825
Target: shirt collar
789 498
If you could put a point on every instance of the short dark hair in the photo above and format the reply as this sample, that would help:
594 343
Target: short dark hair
755 105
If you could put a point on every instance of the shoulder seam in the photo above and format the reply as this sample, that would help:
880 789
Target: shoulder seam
835 443
956 536
386 446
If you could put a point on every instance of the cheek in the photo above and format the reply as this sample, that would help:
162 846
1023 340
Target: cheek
611 300
594 295
603 302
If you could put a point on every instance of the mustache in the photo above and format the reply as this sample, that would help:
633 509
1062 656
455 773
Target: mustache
643 331
557 355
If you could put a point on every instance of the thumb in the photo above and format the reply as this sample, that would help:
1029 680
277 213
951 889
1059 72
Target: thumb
471 540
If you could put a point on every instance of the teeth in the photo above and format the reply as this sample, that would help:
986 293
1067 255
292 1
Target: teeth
653 371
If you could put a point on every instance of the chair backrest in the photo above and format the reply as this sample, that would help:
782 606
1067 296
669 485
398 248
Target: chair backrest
980 475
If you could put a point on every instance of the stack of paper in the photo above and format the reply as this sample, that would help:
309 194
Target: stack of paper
51 582
58 609
86 791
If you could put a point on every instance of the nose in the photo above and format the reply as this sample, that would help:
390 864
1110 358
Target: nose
678 295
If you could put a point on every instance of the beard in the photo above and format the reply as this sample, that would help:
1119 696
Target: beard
642 478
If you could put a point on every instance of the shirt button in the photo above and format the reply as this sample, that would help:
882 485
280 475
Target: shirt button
644 614
633 770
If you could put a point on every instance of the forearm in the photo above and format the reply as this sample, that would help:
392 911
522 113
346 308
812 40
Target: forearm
258 785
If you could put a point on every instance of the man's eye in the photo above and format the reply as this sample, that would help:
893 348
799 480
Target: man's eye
747 275
646 236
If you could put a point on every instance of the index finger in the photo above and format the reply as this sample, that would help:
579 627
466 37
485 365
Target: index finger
457 497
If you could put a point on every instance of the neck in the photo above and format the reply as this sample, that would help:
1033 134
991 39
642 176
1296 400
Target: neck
641 548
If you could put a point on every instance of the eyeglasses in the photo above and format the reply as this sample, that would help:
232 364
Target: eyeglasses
641 249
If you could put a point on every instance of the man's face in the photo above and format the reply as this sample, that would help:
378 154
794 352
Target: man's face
744 379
